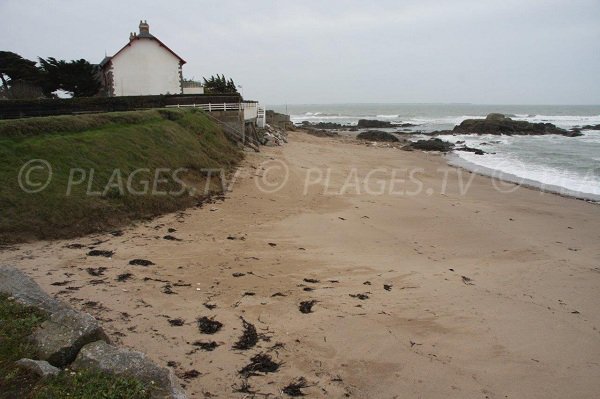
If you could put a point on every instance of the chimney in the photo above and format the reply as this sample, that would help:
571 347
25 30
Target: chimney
144 28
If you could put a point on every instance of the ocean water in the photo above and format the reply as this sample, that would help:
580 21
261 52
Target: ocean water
568 165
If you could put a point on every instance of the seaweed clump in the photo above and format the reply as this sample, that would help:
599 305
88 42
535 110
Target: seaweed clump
261 363
208 325
249 337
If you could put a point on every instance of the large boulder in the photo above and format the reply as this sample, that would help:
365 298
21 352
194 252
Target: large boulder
15 283
373 123
499 124
39 367
122 362
59 339
431 145
377 135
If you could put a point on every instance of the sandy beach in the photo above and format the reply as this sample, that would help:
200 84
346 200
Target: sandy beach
429 281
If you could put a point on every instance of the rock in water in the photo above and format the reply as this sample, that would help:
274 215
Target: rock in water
431 145
369 123
499 124
377 135
122 362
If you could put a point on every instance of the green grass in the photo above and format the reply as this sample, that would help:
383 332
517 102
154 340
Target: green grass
104 143
17 322
91 385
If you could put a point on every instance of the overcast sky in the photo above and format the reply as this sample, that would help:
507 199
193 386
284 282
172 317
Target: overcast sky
478 51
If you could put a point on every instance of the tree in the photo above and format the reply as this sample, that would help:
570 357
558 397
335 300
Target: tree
17 73
219 85
78 77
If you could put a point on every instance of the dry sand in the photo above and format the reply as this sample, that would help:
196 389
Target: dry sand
526 324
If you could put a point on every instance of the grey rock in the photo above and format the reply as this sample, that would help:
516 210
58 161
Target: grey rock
59 339
431 145
39 367
122 362
371 123
20 286
499 124
377 135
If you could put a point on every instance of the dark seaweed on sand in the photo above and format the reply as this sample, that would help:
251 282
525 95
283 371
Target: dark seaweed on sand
95 271
98 252
124 277
141 262
206 346
249 337
295 387
306 306
261 363
209 326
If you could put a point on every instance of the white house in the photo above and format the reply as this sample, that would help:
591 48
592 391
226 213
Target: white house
144 66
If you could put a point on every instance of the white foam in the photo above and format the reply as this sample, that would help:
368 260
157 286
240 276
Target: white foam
563 163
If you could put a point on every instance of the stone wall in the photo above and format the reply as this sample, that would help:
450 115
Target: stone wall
278 120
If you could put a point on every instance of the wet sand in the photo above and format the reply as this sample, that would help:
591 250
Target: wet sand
489 294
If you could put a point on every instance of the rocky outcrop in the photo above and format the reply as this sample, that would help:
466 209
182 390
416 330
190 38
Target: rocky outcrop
430 145
39 367
591 127
377 135
75 339
122 362
324 125
59 339
440 145
500 124
372 123
475 151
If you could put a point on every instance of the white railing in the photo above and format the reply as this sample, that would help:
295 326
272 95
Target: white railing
250 109
210 107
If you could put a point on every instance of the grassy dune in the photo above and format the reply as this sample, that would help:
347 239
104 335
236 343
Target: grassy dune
99 154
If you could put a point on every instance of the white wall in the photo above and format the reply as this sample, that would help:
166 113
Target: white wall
250 111
145 68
